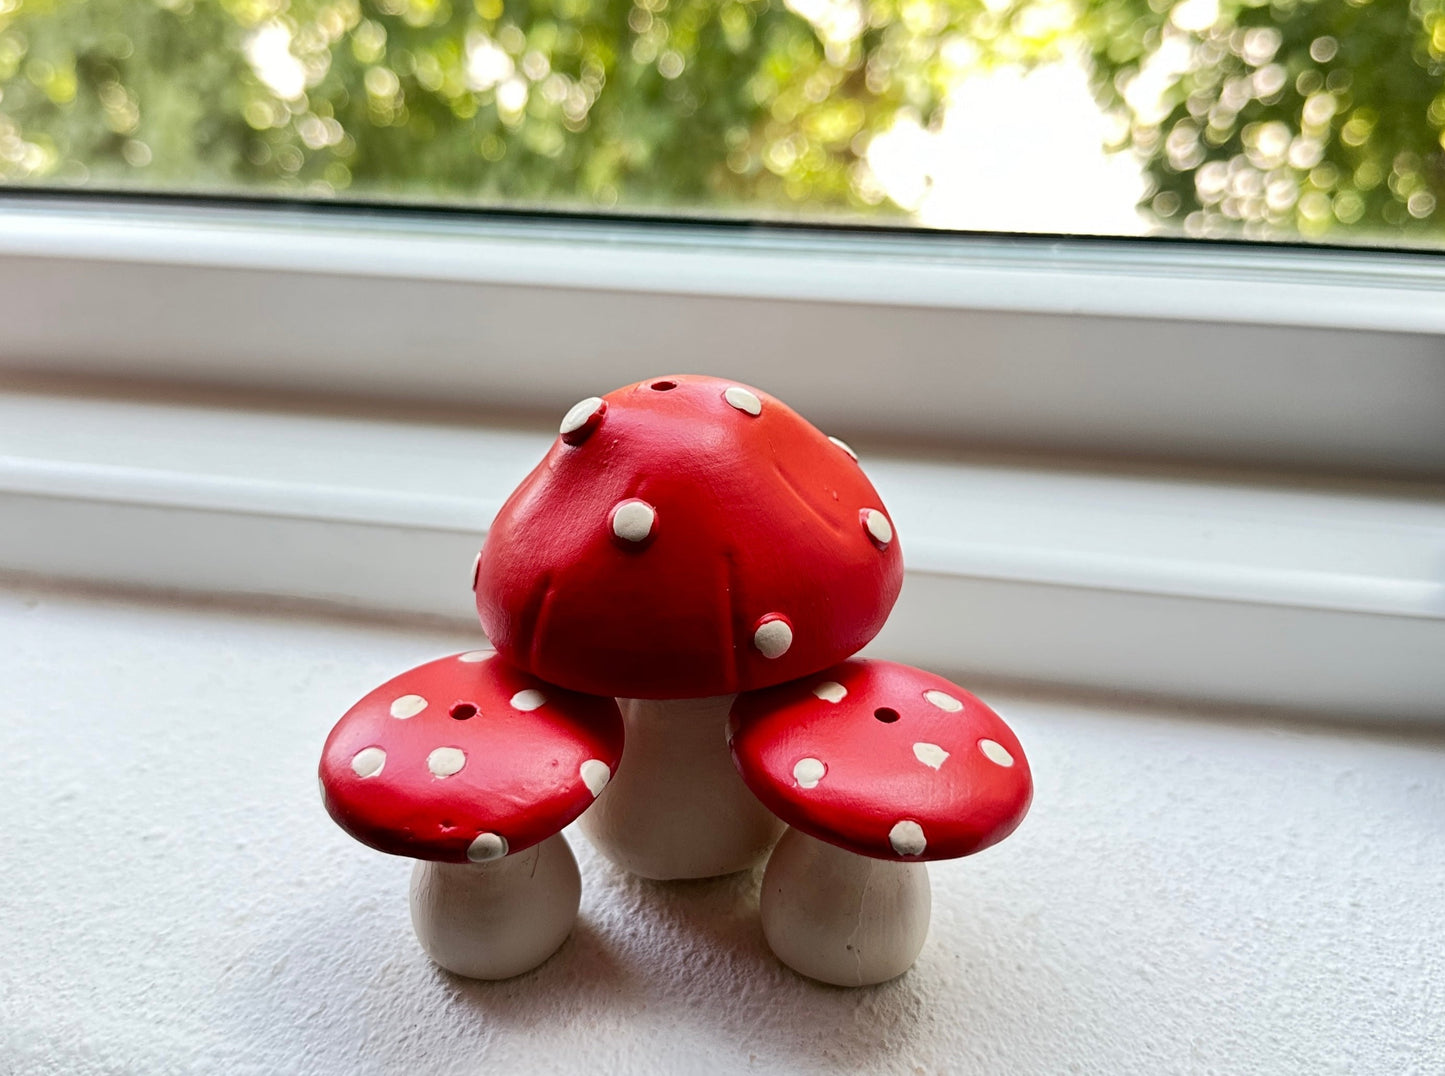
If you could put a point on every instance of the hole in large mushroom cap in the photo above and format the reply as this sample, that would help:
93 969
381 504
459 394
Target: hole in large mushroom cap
463 710
886 714
664 386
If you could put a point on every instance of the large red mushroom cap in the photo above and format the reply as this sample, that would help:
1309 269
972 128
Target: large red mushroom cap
884 760
687 536
467 759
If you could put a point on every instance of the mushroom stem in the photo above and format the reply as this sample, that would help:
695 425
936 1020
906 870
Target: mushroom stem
842 918
496 919
676 807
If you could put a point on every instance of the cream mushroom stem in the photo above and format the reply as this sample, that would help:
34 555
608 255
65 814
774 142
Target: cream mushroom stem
842 918
500 916
676 807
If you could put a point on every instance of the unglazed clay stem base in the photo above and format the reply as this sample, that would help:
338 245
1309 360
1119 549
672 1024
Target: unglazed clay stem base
497 919
676 808
842 918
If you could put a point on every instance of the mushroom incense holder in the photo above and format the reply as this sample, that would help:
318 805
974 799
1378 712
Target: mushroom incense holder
689 569
472 768
877 767
686 538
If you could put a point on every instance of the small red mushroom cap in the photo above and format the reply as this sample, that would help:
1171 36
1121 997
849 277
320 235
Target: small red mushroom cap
687 536
467 759
884 760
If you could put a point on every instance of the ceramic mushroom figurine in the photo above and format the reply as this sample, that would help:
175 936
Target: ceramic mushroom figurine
877 767
685 538
472 768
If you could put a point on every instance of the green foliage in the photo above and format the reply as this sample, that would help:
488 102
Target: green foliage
741 105
1298 117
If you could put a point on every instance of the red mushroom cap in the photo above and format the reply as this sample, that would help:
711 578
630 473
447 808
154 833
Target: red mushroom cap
884 760
467 759
687 536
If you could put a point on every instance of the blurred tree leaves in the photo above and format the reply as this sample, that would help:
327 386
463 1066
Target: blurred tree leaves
1270 120
1263 119
742 105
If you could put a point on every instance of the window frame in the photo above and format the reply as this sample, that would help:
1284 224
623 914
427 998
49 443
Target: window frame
1263 356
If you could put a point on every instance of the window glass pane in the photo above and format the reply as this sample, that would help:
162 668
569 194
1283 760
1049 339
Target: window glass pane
1300 119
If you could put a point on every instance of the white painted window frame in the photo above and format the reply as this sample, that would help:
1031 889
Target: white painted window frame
1315 592
1327 359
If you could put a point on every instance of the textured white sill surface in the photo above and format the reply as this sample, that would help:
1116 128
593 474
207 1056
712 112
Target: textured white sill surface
1188 895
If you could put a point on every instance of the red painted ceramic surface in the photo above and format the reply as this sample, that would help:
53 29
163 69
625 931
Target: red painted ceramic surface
883 760
459 748
676 544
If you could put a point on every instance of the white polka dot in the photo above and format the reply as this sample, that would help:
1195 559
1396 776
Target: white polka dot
476 567
808 772
595 775
878 526
477 655
575 423
996 752
930 754
844 446
632 521
487 847
743 400
528 700
408 706
368 761
445 761
907 839
773 638
944 701
831 691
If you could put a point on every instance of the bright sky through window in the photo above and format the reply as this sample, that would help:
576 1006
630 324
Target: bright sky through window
985 169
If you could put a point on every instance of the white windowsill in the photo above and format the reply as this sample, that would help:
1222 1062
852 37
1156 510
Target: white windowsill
1327 599
1186 894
